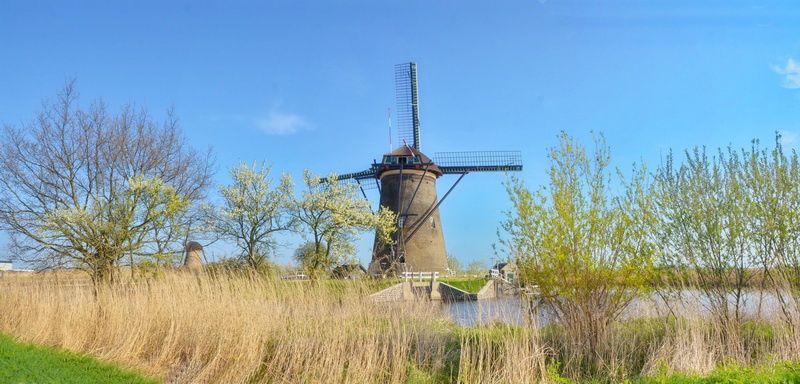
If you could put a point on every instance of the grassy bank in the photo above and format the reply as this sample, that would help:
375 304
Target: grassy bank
469 284
22 363
779 374
782 374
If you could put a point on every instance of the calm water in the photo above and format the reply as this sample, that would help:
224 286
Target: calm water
510 309
506 309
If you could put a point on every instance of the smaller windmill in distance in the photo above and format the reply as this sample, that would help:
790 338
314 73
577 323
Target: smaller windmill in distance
406 180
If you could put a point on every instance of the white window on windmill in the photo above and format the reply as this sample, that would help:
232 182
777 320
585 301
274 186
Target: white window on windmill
433 223
401 220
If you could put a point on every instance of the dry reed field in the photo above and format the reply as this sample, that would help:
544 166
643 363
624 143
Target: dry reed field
238 329
242 329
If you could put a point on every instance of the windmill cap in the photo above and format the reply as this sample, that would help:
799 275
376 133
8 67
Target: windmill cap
411 151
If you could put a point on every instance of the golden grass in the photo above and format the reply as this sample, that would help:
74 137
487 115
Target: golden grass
238 329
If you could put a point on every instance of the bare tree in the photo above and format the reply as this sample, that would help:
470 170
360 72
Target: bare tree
86 187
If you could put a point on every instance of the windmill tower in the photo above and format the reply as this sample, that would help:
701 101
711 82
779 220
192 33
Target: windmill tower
406 179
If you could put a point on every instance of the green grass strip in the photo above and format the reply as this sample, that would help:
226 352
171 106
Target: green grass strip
471 285
778 374
26 363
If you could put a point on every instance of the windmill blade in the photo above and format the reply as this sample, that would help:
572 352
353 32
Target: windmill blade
355 176
405 81
478 161
363 184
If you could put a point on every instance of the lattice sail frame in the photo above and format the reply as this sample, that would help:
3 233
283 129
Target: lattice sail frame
478 161
407 98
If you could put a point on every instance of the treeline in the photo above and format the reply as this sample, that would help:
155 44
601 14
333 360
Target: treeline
89 188
718 222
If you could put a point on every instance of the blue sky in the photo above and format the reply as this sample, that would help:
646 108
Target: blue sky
307 84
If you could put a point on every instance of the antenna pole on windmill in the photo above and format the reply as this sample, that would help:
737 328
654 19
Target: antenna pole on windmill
389 119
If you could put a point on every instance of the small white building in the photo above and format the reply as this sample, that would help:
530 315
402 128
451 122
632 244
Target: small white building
5 265
507 271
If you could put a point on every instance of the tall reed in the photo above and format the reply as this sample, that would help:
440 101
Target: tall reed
238 329
231 328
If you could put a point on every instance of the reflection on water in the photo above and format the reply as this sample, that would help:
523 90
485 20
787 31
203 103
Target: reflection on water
506 309
510 309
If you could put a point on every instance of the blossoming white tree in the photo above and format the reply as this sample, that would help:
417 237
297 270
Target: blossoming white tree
253 211
85 188
331 215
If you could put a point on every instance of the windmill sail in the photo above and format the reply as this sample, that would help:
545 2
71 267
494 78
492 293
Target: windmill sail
363 175
478 161
405 80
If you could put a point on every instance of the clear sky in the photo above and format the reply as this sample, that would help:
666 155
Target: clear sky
307 84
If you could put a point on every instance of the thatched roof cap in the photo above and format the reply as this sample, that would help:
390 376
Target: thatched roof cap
193 246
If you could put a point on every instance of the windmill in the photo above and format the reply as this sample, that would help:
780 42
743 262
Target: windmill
406 180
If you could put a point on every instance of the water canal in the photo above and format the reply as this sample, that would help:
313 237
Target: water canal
510 309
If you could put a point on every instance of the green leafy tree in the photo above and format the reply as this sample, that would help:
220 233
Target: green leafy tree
306 254
702 206
253 211
582 242
772 178
331 215
726 219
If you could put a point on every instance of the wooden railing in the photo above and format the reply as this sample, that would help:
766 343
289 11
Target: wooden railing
419 275
296 276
